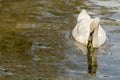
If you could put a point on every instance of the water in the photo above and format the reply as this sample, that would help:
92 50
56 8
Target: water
36 42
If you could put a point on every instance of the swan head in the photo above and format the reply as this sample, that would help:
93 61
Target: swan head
94 26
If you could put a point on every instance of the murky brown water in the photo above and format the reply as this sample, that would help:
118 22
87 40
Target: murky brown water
36 44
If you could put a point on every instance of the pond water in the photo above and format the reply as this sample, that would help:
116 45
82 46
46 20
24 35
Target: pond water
36 43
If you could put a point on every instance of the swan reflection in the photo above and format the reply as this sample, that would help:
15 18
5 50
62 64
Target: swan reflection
92 60
91 54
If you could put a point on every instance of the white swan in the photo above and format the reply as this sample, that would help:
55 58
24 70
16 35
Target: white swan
89 29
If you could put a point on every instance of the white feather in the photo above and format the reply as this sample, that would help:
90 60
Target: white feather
81 31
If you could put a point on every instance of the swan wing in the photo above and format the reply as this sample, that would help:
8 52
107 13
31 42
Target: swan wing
83 15
99 37
81 32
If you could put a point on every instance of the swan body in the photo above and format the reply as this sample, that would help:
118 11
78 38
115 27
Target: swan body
85 26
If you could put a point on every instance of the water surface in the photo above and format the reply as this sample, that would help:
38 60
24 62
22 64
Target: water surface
36 42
